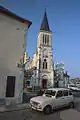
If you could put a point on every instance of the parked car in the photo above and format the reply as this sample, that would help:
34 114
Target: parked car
51 99
73 87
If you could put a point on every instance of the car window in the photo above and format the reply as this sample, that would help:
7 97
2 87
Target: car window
59 94
70 93
65 93
50 92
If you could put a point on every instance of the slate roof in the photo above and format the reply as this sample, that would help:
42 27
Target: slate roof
45 25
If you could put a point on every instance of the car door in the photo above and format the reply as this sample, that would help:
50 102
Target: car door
59 100
70 97
66 97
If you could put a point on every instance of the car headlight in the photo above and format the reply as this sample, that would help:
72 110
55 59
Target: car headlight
39 106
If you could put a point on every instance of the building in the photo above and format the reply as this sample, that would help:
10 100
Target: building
43 58
75 81
61 77
59 68
13 31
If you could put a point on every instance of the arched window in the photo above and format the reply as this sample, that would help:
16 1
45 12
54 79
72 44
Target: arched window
47 39
43 39
45 64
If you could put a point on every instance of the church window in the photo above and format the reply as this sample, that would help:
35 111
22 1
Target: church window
45 64
43 39
47 39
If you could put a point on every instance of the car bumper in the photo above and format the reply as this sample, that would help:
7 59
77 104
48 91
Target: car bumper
36 108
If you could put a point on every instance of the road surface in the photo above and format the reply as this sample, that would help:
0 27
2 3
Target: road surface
63 114
28 114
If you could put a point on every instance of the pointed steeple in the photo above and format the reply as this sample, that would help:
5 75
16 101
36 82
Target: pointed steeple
45 25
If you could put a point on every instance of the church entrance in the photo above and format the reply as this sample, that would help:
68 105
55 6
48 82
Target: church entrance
44 83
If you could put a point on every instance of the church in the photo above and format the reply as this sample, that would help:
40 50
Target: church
42 59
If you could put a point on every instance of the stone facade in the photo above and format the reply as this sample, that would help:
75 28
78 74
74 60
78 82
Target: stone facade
43 57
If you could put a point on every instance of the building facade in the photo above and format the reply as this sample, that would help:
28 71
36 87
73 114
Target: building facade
13 31
61 77
43 57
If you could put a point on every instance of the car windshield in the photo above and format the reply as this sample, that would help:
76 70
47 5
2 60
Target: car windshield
50 93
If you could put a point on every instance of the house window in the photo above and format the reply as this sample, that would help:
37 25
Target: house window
10 87
45 64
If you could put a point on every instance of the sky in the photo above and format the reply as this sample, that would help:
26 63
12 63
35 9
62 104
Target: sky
64 22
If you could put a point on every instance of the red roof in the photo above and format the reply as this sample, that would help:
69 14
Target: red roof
11 14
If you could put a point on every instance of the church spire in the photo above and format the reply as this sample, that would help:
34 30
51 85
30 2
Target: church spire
45 25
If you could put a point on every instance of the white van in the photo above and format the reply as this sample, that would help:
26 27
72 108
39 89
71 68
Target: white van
51 99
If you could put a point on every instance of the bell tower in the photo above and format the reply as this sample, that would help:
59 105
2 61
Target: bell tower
45 34
45 63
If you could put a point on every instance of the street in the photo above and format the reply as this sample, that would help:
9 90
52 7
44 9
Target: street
62 114
66 114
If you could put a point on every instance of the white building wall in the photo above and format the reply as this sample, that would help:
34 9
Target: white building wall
11 50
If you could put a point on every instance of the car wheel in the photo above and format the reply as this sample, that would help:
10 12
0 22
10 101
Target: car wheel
72 105
47 110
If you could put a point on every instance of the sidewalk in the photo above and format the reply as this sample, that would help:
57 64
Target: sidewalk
14 108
